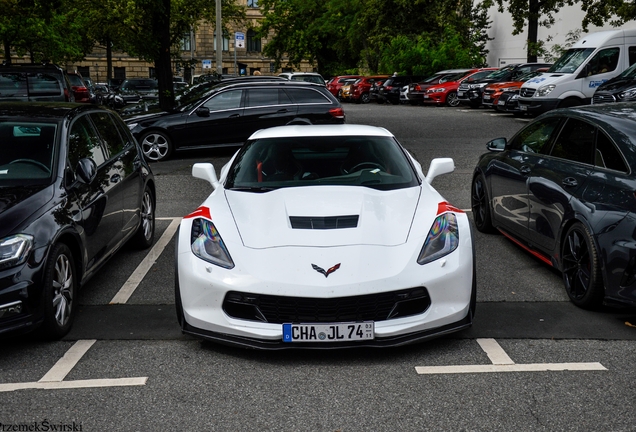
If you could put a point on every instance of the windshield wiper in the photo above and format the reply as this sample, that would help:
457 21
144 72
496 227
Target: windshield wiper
257 189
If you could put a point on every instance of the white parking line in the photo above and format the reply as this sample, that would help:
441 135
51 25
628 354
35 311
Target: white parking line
503 363
53 379
138 275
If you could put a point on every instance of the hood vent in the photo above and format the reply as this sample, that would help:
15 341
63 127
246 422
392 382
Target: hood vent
320 222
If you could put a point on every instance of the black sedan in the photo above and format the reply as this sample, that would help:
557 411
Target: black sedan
74 188
230 112
563 188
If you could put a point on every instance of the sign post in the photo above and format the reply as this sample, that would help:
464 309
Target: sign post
239 42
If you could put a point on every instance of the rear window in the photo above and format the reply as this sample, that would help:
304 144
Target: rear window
16 84
140 85
307 96
308 78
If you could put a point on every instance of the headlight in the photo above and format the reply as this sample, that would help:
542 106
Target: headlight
439 90
478 86
627 94
442 239
206 243
544 91
14 250
507 89
131 126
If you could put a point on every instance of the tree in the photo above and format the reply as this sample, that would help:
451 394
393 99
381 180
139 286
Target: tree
615 12
533 13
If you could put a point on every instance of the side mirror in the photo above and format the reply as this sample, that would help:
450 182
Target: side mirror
438 167
498 144
86 170
205 171
203 112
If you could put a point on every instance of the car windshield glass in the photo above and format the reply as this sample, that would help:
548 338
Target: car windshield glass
571 60
140 85
368 161
26 152
452 77
75 80
501 73
308 78
630 72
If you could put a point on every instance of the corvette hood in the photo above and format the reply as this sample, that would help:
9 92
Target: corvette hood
315 216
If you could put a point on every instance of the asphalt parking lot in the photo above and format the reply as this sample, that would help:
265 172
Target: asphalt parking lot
532 361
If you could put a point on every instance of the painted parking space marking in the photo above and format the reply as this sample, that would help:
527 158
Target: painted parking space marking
142 269
501 362
53 379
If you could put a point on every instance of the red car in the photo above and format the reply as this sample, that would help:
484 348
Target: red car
494 90
335 83
359 90
446 93
80 89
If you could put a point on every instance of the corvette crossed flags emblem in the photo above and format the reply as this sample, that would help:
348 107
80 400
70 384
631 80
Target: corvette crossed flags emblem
326 272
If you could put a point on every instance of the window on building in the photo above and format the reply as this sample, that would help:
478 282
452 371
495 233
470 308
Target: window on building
252 3
84 71
253 41
226 42
187 42
152 73
119 72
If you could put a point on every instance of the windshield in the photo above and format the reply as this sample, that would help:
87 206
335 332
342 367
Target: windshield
501 73
148 84
570 60
630 72
308 78
272 163
26 153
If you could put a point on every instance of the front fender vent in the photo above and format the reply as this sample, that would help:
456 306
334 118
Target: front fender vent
319 222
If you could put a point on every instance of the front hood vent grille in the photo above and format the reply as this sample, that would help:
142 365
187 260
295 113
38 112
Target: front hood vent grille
320 222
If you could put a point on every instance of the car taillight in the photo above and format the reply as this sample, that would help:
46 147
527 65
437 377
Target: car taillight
337 113
418 88
388 87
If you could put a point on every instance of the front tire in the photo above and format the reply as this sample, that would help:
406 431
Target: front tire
451 99
364 98
480 204
156 146
145 235
581 268
60 280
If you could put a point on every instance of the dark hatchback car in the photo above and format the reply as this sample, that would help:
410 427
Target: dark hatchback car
621 88
74 188
133 90
230 112
34 83
470 92
389 90
563 189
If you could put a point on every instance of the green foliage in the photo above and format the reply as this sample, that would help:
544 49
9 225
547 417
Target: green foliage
614 12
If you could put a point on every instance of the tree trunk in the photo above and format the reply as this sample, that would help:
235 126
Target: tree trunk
533 31
163 63
7 52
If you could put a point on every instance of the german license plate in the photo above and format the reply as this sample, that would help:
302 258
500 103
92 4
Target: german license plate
486 97
336 332
460 94
500 102
523 107
425 96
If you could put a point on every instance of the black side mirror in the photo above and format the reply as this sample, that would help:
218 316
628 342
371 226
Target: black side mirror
498 144
86 170
203 111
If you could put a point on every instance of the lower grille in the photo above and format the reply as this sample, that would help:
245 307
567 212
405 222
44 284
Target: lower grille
603 98
370 307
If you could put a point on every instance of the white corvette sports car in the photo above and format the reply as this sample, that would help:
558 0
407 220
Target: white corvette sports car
323 237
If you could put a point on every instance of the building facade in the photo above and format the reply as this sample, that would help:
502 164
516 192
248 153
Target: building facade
506 48
199 50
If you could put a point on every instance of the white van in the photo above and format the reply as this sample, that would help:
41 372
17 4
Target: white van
575 76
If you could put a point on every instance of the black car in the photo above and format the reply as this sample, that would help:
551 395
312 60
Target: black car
470 92
230 112
74 188
134 90
34 83
621 88
389 90
563 189
509 102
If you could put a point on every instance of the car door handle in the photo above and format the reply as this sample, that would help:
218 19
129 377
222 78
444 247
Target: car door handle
525 169
234 116
569 182
281 111
115 178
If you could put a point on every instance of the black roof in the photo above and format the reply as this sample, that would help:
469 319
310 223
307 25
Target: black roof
43 110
